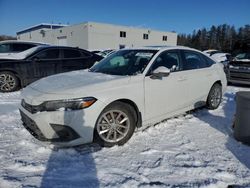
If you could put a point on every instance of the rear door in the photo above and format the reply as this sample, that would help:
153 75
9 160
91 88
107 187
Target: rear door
46 63
74 59
198 72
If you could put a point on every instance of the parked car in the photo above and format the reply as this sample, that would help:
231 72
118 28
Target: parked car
10 47
128 89
19 70
238 70
219 56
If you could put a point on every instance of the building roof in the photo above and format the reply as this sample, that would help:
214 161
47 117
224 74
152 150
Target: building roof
41 26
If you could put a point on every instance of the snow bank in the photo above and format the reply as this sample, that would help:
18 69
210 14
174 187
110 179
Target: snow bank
192 150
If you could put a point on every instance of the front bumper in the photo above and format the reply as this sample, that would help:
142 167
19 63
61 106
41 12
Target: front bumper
64 133
63 128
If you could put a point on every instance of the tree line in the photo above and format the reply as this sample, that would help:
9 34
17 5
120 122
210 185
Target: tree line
5 37
222 37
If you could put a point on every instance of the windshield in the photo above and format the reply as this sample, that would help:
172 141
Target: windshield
125 62
243 56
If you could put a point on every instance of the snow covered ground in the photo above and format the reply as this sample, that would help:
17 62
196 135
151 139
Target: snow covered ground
193 150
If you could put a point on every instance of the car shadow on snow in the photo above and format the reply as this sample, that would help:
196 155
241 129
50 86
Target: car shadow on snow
71 167
224 125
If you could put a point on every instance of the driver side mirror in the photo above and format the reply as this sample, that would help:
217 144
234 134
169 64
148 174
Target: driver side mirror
160 72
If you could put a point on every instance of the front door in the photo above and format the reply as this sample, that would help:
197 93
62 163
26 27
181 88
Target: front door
165 96
46 63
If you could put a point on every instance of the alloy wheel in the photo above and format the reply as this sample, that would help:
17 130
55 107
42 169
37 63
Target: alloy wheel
113 126
215 97
7 82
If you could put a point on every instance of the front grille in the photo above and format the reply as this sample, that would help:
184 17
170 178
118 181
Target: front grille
31 126
236 75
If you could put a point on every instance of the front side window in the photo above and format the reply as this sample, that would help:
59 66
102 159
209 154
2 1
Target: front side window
48 54
168 59
193 60
125 62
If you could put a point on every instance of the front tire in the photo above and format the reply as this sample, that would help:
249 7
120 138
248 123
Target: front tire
115 125
8 82
214 96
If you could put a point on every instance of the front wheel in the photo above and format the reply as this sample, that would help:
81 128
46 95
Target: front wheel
8 82
115 125
214 96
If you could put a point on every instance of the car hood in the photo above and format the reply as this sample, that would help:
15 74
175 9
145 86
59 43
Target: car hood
72 85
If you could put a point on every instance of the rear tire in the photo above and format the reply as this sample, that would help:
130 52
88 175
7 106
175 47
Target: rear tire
214 96
115 125
8 82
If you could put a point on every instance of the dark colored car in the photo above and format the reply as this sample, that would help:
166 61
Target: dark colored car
238 70
19 70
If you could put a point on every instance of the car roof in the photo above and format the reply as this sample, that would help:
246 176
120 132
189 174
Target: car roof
161 48
21 42
62 47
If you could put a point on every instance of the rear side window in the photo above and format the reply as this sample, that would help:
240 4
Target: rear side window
48 54
193 60
68 53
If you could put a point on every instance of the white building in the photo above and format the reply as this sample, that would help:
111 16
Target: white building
92 35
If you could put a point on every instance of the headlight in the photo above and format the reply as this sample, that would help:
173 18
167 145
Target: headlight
67 105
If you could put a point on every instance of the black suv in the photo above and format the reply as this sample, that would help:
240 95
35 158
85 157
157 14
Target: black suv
21 69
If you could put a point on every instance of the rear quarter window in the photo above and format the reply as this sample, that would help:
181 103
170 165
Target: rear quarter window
208 60
68 53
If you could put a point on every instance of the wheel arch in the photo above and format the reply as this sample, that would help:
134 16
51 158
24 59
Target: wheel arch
216 82
134 106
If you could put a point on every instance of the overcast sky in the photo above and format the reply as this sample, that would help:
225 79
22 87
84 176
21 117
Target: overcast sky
182 16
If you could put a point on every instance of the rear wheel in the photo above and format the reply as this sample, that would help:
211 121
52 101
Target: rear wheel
214 96
115 125
8 82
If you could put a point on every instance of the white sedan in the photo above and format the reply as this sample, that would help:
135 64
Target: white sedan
128 89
